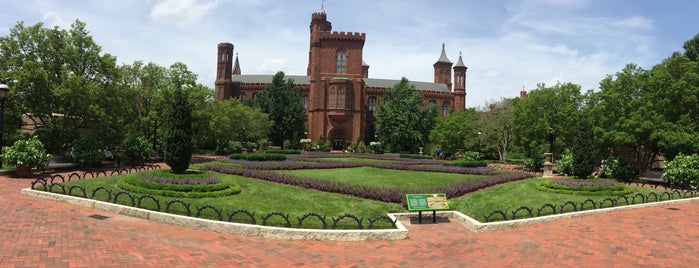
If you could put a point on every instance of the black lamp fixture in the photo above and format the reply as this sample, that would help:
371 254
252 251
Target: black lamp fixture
4 89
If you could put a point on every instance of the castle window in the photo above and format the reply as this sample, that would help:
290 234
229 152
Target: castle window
341 98
446 108
372 105
333 101
341 61
305 102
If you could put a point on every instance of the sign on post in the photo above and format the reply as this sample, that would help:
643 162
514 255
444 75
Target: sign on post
427 202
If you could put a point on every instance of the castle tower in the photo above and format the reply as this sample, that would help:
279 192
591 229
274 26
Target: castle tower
365 69
460 84
523 93
442 69
223 71
319 24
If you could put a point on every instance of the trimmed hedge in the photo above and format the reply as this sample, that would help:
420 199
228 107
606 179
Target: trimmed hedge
259 157
618 189
415 156
466 163
289 151
137 185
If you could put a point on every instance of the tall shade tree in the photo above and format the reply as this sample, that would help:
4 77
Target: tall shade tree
63 81
544 120
284 104
623 116
458 130
232 121
403 123
495 127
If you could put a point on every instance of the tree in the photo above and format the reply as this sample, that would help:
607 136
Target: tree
284 104
403 124
691 48
177 136
457 130
582 149
63 81
232 121
496 128
545 118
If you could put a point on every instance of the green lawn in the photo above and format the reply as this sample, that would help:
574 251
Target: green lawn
263 197
388 178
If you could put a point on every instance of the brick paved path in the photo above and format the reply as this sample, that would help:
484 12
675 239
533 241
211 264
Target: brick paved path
41 233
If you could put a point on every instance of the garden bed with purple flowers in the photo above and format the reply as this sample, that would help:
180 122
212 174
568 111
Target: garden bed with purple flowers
596 187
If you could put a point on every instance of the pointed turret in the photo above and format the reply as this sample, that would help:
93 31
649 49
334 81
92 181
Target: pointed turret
236 66
442 69
460 84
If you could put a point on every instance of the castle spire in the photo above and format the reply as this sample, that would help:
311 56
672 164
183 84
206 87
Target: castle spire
460 62
236 65
443 57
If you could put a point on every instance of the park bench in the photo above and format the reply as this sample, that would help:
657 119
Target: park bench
652 177
58 162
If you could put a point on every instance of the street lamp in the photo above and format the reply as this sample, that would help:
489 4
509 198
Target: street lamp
4 89
479 142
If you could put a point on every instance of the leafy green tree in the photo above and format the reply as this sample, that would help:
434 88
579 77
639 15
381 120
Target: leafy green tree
177 135
495 127
546 118
403 124
63 81
232 121
582 149
284 104
457 130
691 48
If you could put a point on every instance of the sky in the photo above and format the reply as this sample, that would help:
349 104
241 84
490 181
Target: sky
507 45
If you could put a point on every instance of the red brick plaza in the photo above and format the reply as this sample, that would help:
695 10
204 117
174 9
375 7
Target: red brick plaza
42 233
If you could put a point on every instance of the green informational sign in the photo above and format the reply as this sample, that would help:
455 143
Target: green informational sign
420 202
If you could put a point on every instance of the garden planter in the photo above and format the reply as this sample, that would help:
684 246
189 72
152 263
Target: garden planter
23 171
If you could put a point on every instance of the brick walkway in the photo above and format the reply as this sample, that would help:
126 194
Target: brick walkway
41 233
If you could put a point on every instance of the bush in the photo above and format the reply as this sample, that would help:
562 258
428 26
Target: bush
85 151
229 147
683 171
138 149
26 153
533 164
618 168
361 147
259 157
564 165
466 163
177 133
415 156
469 156
288 151
187 185
583 157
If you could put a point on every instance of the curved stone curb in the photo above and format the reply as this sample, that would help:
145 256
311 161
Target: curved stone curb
479 227
230 227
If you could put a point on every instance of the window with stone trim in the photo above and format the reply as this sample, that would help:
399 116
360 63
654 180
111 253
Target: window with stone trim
446 108
341 61
372 106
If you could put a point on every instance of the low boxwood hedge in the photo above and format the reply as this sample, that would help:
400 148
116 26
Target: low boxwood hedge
259 157
466 163
289 151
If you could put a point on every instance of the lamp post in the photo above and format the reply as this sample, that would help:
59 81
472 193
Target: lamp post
479 142
4 89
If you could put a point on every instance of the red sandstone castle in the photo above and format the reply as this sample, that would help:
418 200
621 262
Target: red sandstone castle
340 98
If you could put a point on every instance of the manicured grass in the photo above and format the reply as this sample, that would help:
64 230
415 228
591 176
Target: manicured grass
264 197
378 177
510 196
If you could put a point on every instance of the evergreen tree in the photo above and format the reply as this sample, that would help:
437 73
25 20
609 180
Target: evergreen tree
403 123
583 149
284 104
177 150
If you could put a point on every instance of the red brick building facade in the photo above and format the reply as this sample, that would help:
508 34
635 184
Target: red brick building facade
340 98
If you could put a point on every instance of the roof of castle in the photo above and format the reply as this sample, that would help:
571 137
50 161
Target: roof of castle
443 57
460 63
370 82
236 65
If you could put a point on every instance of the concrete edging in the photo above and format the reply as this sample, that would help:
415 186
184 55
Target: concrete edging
479 227
229 227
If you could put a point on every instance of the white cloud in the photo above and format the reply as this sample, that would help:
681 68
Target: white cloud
181 11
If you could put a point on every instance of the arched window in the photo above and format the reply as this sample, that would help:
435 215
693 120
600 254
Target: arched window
341 61
305 102
372 105
241 97
446 108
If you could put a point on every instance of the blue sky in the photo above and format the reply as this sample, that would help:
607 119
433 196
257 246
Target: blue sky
505 44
